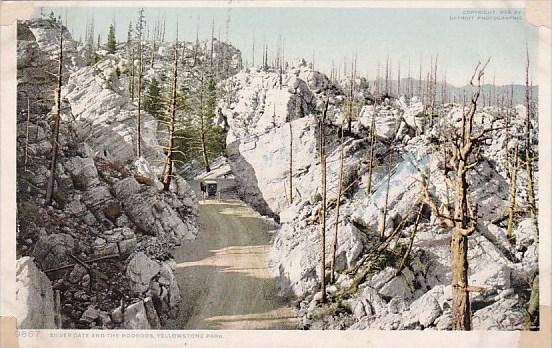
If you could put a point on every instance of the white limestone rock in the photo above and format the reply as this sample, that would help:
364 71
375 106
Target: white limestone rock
34 297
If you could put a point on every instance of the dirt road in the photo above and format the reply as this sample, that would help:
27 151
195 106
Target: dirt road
223 275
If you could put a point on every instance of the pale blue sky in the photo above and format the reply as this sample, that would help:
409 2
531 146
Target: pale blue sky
333 34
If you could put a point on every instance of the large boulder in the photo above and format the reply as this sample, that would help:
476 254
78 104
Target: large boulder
136 317
425 309
34 297
369 303
140 271
53 250
506 313
294 257
386 122
159 214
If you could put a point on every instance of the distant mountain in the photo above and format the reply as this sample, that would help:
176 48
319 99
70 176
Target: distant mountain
489 91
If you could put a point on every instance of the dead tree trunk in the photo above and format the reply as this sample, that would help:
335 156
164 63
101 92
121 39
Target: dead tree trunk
323 209
171 125
202 129
420 91
399 80
212 43
411 240
290 162
131 77
55 135
153 52
138 116
338 206
27 133
383 225
163 33
434 97
506 139
371 152
281 67
351 97
387 76
463 221
528 155
513 191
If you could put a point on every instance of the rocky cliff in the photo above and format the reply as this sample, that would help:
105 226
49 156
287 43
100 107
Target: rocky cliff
104 242
260 116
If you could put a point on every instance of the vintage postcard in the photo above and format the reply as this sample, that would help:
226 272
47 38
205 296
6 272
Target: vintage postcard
268 174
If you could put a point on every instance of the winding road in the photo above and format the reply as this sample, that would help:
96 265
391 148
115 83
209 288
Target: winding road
223 275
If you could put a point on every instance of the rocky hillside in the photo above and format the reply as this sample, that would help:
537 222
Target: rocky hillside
99 255
104 242
260 116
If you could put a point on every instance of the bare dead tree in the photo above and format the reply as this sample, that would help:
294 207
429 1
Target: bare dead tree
163 33
253 51
378 82
338 206
371 151
463 221
399 80
351 97
528 154
411 240
154 42
139 106
290 161
387 76
323 209
55 134
131 77
507 120
383 224
434 89
212 42
171 123
512 198
420 90
27 132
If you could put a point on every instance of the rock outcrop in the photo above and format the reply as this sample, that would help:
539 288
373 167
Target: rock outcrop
34 297
108 206
259 118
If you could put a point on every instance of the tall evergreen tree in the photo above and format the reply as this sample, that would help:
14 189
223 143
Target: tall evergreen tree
153 102
216 137
111 43
130 33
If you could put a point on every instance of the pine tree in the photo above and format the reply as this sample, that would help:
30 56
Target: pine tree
153 102
130 33
111 43
216 137
202 127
